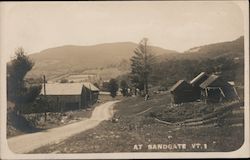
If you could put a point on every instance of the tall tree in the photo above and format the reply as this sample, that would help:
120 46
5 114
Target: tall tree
141 66
113 87
17 91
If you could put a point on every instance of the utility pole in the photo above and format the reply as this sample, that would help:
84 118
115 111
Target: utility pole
90 95
44 85
85 97
44 91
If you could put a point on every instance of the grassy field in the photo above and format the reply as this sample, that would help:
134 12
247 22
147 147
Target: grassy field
136 126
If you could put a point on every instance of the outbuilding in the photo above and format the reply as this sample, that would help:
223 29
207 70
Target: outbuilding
182 92
216 89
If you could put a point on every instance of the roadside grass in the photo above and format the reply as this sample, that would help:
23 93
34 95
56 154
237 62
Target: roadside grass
111 137
134 105
136 125
35 122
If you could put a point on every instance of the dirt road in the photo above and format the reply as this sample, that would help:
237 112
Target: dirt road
29 142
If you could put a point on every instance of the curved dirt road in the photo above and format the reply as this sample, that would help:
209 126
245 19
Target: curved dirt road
29 142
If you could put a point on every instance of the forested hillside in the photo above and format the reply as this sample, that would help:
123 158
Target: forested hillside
225 58
112 59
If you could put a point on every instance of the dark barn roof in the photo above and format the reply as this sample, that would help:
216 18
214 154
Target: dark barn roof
179 85
199 79
214 81
182 92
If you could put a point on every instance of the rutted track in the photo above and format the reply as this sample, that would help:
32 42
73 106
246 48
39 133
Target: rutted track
220 113
29 142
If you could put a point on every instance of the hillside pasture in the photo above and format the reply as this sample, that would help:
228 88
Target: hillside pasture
136 124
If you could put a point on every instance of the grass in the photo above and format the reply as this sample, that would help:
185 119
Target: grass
35 122
134 105
137 126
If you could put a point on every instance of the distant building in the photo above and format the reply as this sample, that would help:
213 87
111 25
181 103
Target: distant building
215 89
78 78
182 92
70 96
105 86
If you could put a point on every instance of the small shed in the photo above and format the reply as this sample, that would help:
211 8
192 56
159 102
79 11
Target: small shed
196 82
182 92
90 94
215 89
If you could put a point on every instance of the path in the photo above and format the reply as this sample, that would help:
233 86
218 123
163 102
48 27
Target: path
29 142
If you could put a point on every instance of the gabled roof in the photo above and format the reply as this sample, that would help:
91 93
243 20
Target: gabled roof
202 75
209 81
214 81
178 84
232 83
62 89
90 86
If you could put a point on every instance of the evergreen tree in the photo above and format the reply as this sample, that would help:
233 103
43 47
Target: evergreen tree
142 65
17 91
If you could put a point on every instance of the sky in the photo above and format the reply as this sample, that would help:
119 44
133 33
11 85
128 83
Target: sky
36 26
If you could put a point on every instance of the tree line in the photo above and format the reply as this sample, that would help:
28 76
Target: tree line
166 73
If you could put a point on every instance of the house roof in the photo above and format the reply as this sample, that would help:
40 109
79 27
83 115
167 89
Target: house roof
176 85
62 89
67 88
209 81
197 78
231 83
90 86
214 81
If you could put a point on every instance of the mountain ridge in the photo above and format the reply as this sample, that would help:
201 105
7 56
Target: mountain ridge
76 59
218 49
71 58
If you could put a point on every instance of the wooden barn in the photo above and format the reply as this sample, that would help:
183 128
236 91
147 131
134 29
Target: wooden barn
196 82
63 96
70 96
215 89
182 92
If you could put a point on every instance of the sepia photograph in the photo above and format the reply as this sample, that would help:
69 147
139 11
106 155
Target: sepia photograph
124 79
